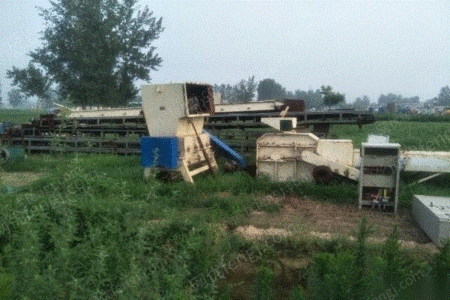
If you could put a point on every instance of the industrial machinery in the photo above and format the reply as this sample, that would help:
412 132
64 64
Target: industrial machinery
175 114
379 173
292 156
240 130
118 130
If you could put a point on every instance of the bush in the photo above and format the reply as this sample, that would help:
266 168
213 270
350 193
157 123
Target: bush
263 285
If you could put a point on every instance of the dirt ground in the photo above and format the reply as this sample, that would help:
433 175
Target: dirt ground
18 179
304 217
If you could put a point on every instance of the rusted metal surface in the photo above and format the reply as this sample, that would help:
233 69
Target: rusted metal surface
238 129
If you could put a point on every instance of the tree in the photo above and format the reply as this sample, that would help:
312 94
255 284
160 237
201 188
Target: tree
225 90
16 98
242 92
1 98
313 99
444 96
393 102
391 107
331 98
93 51
269 89
245 90
362 103
384 100
32 82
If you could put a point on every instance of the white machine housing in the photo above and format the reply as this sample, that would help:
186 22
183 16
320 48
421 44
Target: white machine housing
178 110
292 156
170 109
379 175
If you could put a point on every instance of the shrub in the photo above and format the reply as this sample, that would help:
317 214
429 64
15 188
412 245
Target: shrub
263 285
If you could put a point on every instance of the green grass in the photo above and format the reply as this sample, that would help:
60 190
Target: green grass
18 116
94 228
412 118
431 136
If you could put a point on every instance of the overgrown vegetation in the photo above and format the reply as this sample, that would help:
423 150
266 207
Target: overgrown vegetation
18 116
413 117
411 135
93 228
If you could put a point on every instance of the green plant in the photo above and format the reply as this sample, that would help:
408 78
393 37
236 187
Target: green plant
360 264
441 269
263 284
6 281
391 256
93 228
298 293
330 277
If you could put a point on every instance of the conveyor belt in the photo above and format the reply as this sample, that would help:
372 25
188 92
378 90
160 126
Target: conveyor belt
105 133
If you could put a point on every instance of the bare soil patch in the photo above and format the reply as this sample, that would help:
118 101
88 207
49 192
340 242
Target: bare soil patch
19 179
305 217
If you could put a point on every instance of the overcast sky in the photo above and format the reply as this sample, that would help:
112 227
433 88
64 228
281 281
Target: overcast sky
357 47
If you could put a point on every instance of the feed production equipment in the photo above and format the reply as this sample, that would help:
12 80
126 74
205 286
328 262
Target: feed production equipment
175 116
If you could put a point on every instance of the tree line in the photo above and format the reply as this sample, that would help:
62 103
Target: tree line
392 102
268 89
93 51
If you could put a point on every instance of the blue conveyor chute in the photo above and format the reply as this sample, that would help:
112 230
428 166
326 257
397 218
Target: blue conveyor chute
224 150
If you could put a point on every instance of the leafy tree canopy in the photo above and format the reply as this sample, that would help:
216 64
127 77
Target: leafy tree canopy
93 51
16 98
331 98
1 98
362 103
245 90
32 82
269 89
312 99
242 92
444 96
393 101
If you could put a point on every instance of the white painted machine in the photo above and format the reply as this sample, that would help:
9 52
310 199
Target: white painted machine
292 156
175 114
379 174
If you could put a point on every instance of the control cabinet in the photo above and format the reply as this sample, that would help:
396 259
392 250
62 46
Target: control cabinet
379 175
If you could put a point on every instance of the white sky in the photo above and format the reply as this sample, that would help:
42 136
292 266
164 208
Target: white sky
357 47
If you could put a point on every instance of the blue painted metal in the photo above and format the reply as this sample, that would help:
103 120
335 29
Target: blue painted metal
10 155
4 126
224 150
159 152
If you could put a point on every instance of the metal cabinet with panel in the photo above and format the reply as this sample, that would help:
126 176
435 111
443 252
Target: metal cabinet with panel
379 175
